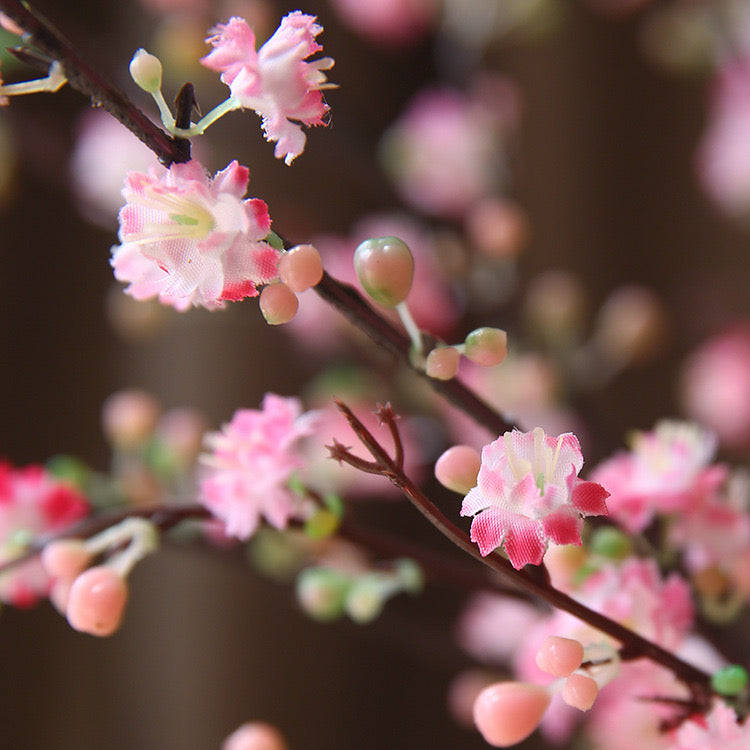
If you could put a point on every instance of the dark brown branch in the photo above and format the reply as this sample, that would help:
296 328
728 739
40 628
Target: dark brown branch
83 78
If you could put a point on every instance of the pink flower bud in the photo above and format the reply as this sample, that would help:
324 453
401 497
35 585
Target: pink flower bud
507 712
278 303
255 736
442 362
486 346
457 468
385 268
65 558
301 268
559 656
580 691
97 601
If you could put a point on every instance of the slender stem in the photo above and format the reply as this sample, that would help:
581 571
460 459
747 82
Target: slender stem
634 646
83 78
350 303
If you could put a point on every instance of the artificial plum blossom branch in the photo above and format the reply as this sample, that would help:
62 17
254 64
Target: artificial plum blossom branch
347 300
634 646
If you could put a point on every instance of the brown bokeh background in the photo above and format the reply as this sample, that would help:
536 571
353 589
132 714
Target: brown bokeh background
605 170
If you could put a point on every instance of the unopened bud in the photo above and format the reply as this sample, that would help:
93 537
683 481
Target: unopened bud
146 71
486 346
385 268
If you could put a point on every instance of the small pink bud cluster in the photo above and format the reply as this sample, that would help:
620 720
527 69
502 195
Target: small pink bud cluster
94 598
385 268
484 346
508 712
299 269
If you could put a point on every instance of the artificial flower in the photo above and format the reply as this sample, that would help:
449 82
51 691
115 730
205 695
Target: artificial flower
251 462
277 80
528 494
189 239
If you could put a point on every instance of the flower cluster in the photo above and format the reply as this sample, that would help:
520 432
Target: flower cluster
277 80
250 464
32 503
189 239
528 493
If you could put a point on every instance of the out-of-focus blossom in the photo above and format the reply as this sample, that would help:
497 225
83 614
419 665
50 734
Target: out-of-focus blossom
251 462
724 153
528 494
192 240
391 22
104 152
431 300
666 471
32 503
445 152
717 730
715 386
632 593
277 81
715 532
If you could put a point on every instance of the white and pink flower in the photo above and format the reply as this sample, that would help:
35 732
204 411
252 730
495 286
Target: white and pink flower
528 494
667 470
32 503
251 462
189 239
277 80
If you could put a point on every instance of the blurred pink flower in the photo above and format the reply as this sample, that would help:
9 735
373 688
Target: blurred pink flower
445 152
191 240
666 471
528 494
718 730
32 503
277 81
715 386
251 462
723 156
391 22
103 154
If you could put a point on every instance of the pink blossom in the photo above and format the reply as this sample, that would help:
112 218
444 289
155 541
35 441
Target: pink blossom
666 471
724 154
715 531
32 503
446 151
277 81
189 239
251 462
528 494
717 730
392 22
716 385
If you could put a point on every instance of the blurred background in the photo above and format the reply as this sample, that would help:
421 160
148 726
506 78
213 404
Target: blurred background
600 117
